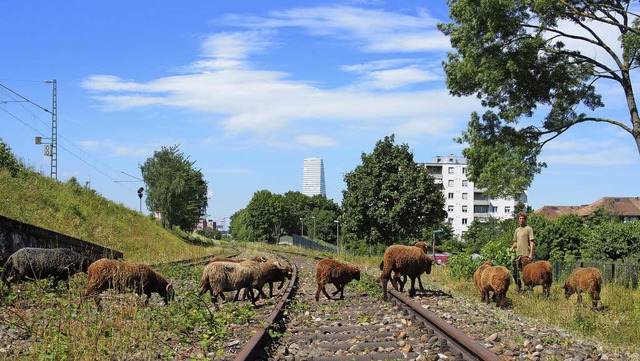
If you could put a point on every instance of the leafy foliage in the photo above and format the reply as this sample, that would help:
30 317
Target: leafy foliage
175 190
521 56
8 160
462 266
268 216
388 199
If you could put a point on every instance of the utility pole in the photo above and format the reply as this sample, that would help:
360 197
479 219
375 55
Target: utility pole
54 129
50 150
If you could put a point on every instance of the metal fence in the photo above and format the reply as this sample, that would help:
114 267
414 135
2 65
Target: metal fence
624 274
315 245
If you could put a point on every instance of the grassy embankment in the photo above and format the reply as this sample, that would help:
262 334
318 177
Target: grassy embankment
80 212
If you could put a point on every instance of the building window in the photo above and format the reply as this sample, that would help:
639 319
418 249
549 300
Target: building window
465 195
450 220
450 170
464 221
451 183
465 183
494 209
450 208
464 170
450 196
465 209
507 209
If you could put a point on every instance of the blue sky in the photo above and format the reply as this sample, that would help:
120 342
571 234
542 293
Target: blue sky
248 89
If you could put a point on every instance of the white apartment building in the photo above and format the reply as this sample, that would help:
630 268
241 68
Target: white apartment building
464 202
313 177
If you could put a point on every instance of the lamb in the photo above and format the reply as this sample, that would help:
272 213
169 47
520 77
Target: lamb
107 274
495 279
477 275
219 277
409 261
40 263
335 272
538 273
584 280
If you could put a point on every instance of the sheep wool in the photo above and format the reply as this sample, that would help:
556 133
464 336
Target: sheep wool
477 275
40 263
409 261
107 274
538 273
495 279
336 273
587 280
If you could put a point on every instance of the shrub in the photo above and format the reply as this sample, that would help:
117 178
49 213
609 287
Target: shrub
462 266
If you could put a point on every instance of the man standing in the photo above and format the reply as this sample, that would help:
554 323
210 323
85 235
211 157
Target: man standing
523 244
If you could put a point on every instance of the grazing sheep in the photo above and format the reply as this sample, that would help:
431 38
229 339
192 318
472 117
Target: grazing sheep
219 277
402 281
335 272
537 273
584 280
409 261
279 273
107 274
477 275
39 263
495 279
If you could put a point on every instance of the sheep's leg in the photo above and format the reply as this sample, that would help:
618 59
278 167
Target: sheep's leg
264 295
318 292
412 291
579 297
420 284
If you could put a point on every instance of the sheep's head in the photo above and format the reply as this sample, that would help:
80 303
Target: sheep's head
356 274
428 265
422 245
568 290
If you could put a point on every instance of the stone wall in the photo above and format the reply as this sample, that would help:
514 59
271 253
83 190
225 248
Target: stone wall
15 235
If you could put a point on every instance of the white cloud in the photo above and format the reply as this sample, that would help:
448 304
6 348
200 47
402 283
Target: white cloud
315 141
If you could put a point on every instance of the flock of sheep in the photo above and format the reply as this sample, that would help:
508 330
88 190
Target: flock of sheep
229 274
490 279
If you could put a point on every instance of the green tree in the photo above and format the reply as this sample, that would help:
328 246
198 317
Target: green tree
175 189
8 160
519 56
388 199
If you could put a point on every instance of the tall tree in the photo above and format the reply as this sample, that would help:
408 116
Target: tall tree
518 56
175 189
388 199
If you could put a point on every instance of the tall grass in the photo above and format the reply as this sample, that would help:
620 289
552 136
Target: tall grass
81 212
616 322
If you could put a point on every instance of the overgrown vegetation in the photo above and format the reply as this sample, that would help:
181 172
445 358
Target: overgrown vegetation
81 212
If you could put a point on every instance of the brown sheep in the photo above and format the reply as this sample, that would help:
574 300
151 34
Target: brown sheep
584 280
401 279
219 277
105 274
477 277
537 273
337 273
409 261
495 279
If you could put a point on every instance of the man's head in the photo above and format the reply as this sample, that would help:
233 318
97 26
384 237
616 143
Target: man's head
522 218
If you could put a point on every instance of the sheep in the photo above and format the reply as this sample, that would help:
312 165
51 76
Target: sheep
219 277
495 279
477 275
409 261
279 273
39 263
397 276
335 272
107 274
538 273
238 260
584 280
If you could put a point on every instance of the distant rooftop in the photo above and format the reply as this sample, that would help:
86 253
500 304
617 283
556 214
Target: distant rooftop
621 206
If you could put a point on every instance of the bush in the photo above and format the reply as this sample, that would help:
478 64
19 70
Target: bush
462 266
496 252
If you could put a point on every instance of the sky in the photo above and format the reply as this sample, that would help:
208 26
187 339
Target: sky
248 89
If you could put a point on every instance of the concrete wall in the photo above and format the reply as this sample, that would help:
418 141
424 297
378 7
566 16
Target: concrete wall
15 235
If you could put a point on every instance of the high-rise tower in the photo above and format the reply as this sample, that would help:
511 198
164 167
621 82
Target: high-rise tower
313 177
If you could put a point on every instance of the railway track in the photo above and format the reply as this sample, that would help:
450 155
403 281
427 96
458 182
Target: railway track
360 327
